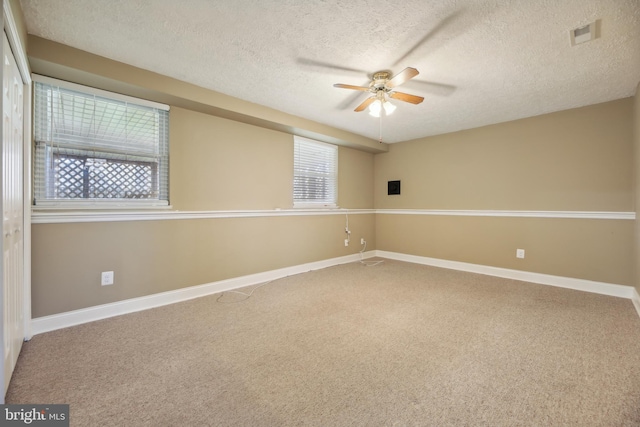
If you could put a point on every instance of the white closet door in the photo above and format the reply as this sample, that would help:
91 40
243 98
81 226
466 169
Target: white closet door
12 213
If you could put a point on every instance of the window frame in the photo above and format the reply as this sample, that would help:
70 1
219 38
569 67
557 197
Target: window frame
44 172
309 203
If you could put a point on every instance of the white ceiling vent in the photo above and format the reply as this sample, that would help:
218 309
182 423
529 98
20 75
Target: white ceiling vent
583 34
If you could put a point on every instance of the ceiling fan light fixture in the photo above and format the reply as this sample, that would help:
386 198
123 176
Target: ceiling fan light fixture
375 108
389 108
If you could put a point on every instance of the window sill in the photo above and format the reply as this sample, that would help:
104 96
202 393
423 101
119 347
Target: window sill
315 206
77 205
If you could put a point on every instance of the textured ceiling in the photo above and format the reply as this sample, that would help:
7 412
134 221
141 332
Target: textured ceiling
480 61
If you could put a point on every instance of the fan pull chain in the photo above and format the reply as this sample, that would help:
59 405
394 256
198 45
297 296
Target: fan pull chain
380 127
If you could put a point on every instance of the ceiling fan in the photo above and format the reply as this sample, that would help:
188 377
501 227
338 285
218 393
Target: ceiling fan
381 86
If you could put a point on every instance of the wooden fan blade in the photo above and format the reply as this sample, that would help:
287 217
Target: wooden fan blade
406 97
404 75
362 88
365 104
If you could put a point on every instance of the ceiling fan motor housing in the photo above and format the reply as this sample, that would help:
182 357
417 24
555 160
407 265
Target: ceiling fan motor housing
379 81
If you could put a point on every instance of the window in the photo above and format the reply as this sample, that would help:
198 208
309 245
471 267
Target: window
96 148
315 171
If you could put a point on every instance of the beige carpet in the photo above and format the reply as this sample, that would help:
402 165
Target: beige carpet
392 345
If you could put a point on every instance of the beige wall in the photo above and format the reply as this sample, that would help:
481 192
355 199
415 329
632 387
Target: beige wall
590 249
219 164
571 160
355 186
215 164
574 160
636 157
155 256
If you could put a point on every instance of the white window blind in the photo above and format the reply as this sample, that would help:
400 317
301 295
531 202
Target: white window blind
92 145
315 173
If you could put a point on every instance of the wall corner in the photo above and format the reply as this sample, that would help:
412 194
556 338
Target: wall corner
636 184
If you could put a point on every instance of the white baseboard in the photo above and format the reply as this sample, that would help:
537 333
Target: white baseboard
635 299
621 291
76 317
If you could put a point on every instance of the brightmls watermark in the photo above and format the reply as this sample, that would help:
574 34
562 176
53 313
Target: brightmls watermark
34 415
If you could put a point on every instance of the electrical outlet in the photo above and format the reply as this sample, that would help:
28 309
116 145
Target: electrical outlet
107 278
346 242
519 253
